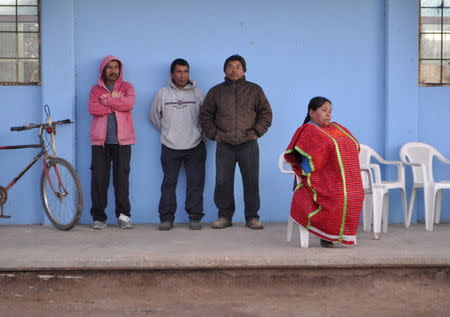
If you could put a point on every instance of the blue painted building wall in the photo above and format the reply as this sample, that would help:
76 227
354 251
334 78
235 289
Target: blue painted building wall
434 128
20 105
351 52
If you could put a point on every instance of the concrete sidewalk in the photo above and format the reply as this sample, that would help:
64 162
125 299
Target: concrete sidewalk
145 247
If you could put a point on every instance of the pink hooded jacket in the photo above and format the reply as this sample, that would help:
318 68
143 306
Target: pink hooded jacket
120 101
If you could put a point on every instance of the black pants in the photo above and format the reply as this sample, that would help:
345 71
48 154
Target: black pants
247 156
102 156
194 164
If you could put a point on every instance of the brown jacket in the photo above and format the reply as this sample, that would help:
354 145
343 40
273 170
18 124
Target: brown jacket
235 112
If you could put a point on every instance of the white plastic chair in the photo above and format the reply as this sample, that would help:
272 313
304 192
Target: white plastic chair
375 202
420 157
304 234
365 155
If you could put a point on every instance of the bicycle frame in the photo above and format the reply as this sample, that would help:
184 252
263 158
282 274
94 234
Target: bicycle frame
43 152
50 129
34 160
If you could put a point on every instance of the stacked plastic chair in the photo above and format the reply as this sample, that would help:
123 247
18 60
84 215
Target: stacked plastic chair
420 157
376 200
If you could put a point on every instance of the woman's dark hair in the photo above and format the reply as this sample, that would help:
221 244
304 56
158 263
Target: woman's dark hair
235 57
314 104
178 61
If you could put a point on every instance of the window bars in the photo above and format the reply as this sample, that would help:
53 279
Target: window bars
434 43
19 42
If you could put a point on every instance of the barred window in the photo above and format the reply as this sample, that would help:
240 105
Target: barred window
19 42
434 43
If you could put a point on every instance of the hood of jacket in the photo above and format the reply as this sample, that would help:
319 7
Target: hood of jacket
191 84
105 61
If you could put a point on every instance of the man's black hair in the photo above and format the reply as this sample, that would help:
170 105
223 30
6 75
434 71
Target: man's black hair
235 57
178 61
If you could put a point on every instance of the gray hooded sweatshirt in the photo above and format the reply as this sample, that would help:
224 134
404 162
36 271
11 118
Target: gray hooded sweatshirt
175 113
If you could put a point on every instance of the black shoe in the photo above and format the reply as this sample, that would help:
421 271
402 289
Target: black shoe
326 243
165 225
195 225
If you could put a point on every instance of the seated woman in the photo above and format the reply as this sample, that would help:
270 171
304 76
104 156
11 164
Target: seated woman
328 202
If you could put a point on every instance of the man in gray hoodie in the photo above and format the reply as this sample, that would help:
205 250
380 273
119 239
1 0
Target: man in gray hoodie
174 112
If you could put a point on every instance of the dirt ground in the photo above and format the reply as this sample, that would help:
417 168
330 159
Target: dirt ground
246 293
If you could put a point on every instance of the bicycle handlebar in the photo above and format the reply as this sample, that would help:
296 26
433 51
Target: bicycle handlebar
44 125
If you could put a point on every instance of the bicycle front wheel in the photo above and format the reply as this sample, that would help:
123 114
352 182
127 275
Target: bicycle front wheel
61 194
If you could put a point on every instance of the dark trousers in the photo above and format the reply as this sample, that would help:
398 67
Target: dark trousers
247 156
194 164
102 156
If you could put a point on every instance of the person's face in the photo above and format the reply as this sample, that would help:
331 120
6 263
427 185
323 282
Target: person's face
234 70
111 72
180 76
322 115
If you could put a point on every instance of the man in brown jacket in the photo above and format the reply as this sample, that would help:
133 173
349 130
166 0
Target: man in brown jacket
236 113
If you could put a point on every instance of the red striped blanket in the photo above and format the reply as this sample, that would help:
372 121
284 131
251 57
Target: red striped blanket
328 202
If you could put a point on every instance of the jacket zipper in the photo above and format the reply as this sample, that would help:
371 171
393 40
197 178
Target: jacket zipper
235 110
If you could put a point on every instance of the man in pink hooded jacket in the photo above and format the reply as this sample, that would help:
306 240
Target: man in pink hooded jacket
112 133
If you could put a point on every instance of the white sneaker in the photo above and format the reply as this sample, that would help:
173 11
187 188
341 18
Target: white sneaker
98 225
124 222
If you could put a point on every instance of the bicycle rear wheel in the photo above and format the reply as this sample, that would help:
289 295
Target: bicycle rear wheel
61 194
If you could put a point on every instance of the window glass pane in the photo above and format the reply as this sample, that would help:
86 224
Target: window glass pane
8 2
27 18
27 2
9 45
430 45
429 13
430 72
7 70
27 11
28 45
446 20
7 18
446 71
28 23
28 71
431 20
430 28
28 27
7 25
431 3
446 3
430 24
446 46
7 10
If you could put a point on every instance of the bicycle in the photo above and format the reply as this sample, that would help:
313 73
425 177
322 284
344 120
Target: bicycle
60 187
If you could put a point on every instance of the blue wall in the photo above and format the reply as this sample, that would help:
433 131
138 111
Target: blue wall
434 128
290 53
346 51
401 114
